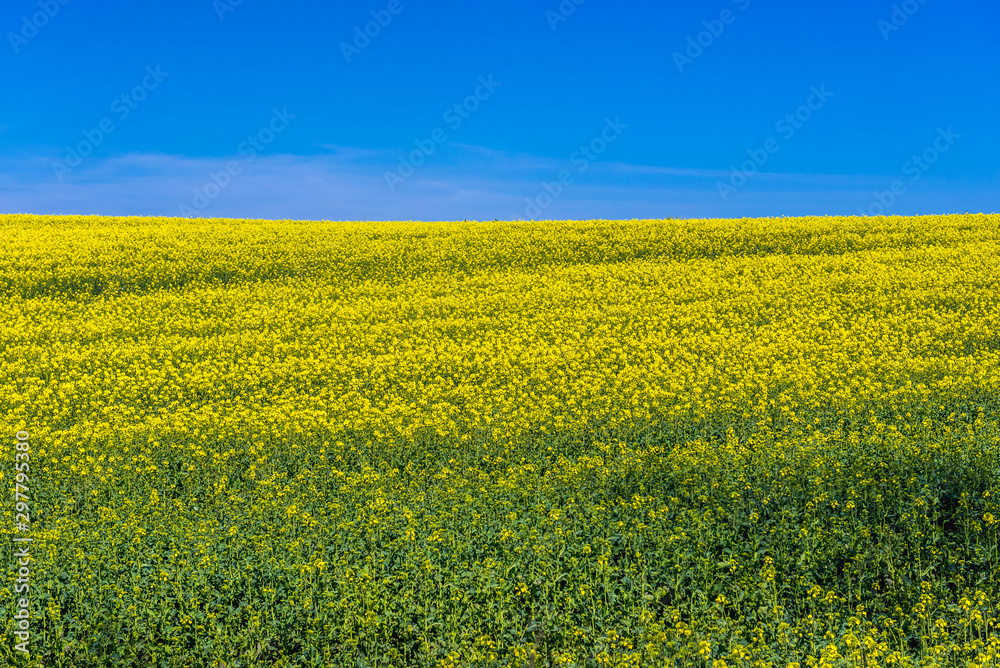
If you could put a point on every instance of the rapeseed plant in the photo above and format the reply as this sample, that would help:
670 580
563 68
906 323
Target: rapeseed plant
622 443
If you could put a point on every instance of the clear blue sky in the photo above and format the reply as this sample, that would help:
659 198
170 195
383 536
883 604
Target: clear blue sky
899 80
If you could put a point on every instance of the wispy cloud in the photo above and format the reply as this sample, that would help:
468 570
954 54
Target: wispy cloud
465 182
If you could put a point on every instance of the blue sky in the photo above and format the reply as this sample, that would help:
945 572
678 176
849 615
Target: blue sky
411 109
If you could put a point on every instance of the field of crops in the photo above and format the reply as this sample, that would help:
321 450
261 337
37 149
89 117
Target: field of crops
709 443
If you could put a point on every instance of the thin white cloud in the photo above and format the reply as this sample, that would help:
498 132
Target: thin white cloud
457 182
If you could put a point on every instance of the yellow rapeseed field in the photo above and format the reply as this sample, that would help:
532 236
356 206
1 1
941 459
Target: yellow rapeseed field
768 443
